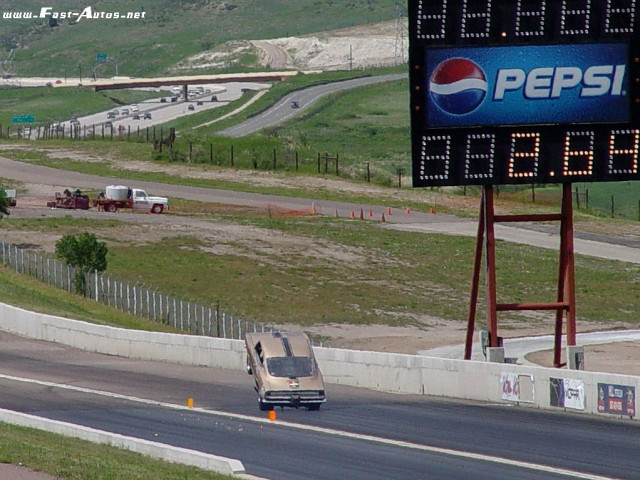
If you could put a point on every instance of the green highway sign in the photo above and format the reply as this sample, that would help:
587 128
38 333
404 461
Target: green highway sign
23 119
101 57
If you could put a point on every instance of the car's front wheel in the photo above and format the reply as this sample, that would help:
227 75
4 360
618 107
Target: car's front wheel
264 407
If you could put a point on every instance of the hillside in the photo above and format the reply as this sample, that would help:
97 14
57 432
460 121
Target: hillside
168 35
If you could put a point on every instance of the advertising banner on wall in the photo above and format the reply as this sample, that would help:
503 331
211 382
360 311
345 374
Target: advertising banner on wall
510 383
617 399
567 393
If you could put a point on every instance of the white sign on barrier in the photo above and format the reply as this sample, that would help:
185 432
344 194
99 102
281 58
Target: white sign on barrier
573 394
567 393
510 383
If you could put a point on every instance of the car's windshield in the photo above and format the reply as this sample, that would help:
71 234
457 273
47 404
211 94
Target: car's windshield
290 366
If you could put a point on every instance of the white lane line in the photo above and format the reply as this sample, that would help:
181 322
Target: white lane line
327 431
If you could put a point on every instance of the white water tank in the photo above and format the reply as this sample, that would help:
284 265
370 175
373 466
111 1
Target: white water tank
117 192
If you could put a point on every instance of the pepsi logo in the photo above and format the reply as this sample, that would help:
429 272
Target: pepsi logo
458 86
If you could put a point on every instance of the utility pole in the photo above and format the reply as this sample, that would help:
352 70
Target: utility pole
350 58
401 42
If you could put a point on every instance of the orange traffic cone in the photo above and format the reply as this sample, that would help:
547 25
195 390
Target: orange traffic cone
389 211
370 213
353 214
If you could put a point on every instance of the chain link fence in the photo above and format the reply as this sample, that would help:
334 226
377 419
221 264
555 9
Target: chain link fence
137 300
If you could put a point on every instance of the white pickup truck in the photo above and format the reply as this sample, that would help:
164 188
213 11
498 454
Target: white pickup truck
120 196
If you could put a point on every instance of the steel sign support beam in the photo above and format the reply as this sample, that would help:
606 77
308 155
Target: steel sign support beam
565 300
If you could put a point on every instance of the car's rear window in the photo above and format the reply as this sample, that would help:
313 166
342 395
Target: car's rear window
290 366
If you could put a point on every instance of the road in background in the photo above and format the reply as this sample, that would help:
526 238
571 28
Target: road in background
284 108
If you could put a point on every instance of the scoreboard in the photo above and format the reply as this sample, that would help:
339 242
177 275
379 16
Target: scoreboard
524 91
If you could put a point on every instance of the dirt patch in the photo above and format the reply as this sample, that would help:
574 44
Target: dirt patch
363 46
620 357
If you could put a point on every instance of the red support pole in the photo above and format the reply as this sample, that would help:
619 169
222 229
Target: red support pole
565 300
490 246
475 281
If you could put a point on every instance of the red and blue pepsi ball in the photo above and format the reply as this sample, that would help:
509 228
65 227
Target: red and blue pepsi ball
458 86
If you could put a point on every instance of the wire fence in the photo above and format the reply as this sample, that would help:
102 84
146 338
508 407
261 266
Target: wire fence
137 300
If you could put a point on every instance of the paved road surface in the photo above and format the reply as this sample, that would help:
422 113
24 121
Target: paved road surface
520 347
283 110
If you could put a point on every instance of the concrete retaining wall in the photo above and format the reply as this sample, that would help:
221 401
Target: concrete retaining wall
491 382
185 349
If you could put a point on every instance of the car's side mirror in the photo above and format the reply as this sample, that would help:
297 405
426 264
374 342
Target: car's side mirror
249 369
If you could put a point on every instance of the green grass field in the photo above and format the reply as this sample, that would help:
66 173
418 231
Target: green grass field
73 459
169 32
368 279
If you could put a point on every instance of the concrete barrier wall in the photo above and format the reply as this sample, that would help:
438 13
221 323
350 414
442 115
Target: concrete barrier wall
470 380
387 372
174 348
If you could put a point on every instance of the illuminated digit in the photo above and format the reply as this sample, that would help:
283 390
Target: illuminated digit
575 16
436 153
476 19
530 22
619 16
431 19
623 151
524 155
479 153
578 154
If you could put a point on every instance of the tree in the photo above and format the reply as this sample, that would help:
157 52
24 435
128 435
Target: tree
5 201
84 253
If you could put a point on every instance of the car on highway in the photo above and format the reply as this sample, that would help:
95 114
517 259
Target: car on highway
191 107
135 108
137 116
146 115
285 370
295 104
111 114
125 111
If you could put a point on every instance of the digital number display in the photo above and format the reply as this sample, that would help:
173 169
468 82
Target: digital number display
456 22
524 91
545 154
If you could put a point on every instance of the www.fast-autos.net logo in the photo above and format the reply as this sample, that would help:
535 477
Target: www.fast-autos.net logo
88 13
